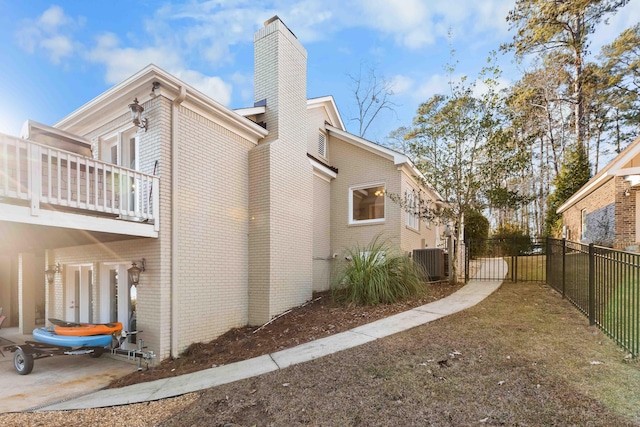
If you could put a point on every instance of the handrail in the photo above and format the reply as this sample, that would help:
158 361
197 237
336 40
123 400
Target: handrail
47 177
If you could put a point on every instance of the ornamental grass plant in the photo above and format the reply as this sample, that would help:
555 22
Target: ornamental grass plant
377 274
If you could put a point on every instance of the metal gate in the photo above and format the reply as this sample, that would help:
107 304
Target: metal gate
526 259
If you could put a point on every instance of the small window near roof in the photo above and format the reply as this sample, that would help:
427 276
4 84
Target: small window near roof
322 144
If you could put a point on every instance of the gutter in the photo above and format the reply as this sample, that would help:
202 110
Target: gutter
174 214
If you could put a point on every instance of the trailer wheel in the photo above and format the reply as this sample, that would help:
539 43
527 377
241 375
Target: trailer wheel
23 362
96 353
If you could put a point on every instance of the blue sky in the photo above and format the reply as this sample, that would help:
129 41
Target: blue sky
56 56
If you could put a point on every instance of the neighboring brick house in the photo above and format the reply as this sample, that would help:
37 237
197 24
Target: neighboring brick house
238 215
605 211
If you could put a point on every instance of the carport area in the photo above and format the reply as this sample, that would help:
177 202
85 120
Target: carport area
54 378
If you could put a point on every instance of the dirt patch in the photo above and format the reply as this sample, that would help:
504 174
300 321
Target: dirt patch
316 319
522 357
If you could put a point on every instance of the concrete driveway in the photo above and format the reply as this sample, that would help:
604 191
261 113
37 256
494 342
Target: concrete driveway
54 379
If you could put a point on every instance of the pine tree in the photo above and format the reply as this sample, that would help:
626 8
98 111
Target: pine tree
574 173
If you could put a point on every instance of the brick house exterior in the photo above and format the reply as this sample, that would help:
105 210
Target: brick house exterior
605 210
254 206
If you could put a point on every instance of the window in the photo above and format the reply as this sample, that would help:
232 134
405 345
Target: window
412 220
121 149
322 145
584 224
366 204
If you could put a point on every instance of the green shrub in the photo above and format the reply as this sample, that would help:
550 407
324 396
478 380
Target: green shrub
511 240
377 274
476 232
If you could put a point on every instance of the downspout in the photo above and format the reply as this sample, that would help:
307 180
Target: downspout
174 215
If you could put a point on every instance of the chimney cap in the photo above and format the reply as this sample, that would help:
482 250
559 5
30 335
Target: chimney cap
277 18
272 19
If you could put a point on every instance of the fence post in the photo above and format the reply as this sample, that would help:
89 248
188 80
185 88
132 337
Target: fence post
547 263
467 254
564 254
592 286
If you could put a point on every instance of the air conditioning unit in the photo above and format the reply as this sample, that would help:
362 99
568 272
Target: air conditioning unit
432 260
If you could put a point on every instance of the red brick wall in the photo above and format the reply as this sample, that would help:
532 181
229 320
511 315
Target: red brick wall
625 214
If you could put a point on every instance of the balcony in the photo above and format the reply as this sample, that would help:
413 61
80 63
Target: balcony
58 198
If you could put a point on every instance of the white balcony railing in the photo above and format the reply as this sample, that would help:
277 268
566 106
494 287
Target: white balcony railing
47 177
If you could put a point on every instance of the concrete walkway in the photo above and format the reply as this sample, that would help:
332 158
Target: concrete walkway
468 296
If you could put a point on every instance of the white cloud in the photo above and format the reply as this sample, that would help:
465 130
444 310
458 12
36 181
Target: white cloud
53 18
440 84
122 62
434 85
51 33
408 21
58 47
401 84
481 88
214 87
415 24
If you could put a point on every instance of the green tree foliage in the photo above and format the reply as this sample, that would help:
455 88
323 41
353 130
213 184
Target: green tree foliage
622 60
619 88
476 226
560 29
575 172
476 230
460 147
510 240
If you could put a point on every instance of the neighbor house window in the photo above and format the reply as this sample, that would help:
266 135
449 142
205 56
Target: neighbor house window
322 144
583 224
366 204
412 219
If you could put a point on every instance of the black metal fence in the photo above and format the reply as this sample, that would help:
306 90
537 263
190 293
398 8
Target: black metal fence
525 258
602 283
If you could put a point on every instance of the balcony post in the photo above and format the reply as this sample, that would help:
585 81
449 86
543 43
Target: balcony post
35 178
156 203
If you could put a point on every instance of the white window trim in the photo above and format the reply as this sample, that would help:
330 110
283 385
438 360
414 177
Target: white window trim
117 138
583 224
352 221
412 220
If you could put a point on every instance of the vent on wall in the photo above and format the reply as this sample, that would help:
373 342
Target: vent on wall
322 145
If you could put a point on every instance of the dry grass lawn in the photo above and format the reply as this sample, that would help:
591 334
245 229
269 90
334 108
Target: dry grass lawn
522 357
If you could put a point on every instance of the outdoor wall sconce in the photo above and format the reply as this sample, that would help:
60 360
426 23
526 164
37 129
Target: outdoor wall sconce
154 86
134 271
627 193
51 271
136 114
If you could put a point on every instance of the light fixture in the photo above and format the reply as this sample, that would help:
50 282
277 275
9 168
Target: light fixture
627 193
51 271
136 114
134 271
154 86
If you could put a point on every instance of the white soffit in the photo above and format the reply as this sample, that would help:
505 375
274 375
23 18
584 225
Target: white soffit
330 107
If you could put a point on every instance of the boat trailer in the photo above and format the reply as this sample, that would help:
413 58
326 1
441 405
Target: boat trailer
25 354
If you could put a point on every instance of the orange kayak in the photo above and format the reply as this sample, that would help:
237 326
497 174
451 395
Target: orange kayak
87 329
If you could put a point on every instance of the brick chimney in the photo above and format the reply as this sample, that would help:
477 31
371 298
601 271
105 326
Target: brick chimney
280 178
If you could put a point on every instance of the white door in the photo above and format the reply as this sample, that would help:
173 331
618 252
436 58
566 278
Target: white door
115 295
78 299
